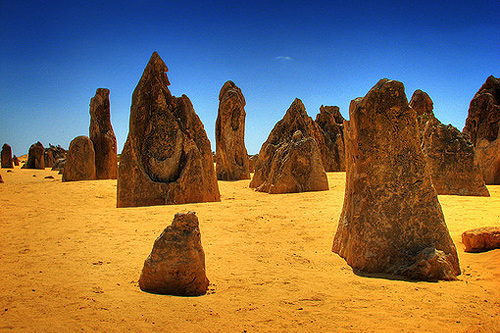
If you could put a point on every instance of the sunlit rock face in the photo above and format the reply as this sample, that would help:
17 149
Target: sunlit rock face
391 221
167 158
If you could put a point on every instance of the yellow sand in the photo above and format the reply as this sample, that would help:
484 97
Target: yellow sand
70 261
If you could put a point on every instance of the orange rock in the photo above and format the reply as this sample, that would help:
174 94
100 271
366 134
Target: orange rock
481 239
80 163
6 157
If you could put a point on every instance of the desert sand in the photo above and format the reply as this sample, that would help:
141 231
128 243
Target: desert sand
70 261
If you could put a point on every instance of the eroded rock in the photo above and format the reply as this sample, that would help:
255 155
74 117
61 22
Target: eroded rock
80 162
35 157
176 265
330 120
6 157
481 239
391 221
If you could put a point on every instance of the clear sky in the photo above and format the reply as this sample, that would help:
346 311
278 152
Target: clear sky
55 54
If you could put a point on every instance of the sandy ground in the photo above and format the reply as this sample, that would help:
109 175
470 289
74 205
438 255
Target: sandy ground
70 261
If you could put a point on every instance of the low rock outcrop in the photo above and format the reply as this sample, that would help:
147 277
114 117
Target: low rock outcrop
481 239
391 221
176 265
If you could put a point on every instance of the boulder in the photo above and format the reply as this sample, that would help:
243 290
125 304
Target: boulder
167 158
232 161
330 120
80 163
481 239
483 127
452 163
391 221
294 166
15 159
6 157
103 137
35 157
176 265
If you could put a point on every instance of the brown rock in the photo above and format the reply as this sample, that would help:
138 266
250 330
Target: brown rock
483 127
35 157
391 221
452 163
48 158
332 123
252 162
176 265
59 164
423 106
231 154
481 239
6 157
290 167
1 180
167 158
15 159
80 163
103 137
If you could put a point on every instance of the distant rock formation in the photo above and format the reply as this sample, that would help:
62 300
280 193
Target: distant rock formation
483 127
451 160
284 165
330 120
35 157
176 265
6 157
15 159
103 137
59 165
48 158
423 106
391 221
80 163
52 154
167 158
231 154
252 162
481 239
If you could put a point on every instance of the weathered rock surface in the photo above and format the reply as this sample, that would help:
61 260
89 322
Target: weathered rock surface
481 239
176 265
452 163
252 162
232 161
391 221
103 137
330 120
6 157
59 164
52 154
48 158
15 159
483 127
423 106
80 162
167 158
35 157
293 166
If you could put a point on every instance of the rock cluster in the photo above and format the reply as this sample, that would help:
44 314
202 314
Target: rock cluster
331 122
291 161
176 265
102 135
483 127
167 158
35 157
80 162
481 239
6 157
52 154
391 221
232 161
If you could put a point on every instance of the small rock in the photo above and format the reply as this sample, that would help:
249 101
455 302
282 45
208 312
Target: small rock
481 239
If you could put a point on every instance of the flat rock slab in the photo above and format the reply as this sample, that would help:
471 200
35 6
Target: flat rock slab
481 239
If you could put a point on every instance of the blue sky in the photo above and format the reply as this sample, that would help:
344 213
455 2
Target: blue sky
55 54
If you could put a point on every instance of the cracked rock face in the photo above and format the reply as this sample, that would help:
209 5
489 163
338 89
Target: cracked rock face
483 127
103 137
232 162
391 221
176 265
331 122
167 158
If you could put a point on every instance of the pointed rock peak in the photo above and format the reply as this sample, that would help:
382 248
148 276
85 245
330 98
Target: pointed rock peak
421 103
330 111
156 66
297 109
229 85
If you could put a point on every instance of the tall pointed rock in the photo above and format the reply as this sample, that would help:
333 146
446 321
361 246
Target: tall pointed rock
103 137
167 158
391 221
331 122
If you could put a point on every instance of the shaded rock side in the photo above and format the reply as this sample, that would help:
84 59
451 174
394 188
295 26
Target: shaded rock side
6 157
15 159
423 106
102 135
483 127
331 122
80 162
35 157
232 161
167 158
391 221
452 163
481 239
252 162
176 265
59 164
48 158
291 167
